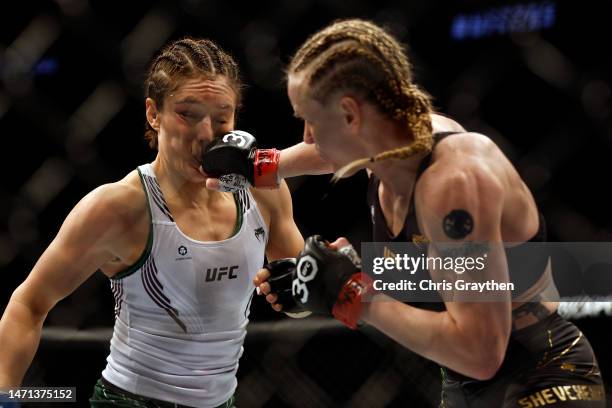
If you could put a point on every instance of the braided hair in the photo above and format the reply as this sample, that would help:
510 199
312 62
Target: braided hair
186 58
359 56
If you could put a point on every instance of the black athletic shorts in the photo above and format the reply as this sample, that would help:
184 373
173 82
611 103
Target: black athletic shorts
548 364
107 395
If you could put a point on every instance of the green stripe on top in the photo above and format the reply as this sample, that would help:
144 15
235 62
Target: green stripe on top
239 213
147 252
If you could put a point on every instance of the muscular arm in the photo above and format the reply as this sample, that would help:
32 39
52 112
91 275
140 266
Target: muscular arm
298 160
83 244
469 337
285 239
302 159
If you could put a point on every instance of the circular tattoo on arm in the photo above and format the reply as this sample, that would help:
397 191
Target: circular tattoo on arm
458 224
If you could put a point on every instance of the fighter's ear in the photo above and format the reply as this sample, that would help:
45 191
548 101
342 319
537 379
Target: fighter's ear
152 114
351 111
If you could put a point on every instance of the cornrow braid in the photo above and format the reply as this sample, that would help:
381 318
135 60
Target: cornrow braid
183 59
416 147
421 126
352 65
364 33
358 56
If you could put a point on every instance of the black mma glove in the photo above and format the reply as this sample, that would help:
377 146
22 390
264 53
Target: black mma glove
323 280
236 161
281 276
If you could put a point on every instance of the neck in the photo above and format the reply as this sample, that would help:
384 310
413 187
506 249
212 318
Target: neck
178 188
397 175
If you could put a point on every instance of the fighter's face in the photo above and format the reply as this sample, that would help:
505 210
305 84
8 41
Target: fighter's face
324 125
196 112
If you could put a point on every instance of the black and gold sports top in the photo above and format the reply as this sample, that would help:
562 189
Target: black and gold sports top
523 277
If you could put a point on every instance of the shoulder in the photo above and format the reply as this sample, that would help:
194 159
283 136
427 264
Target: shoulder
463 180
442 123
467 143
465 160
462 158
96 228
118 202
467 184
126 193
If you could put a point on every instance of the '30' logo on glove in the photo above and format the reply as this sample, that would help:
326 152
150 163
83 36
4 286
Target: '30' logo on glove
307 269
238 137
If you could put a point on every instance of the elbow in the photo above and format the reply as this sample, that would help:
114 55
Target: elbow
32 308
488 360
487 369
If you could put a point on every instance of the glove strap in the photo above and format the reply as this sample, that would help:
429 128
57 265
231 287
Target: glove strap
265 165
349 306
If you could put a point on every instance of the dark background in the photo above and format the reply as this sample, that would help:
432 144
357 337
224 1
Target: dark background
72 118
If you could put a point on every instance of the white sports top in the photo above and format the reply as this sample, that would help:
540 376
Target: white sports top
182 309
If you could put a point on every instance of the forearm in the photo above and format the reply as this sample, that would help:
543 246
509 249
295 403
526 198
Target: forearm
302 159
436 336
20 331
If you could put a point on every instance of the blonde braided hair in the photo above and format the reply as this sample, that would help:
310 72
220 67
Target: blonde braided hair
359 56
